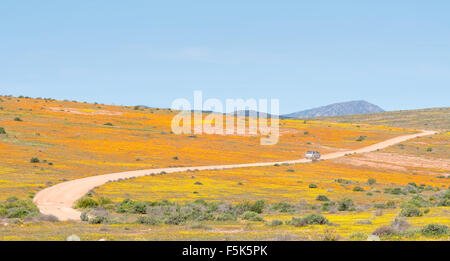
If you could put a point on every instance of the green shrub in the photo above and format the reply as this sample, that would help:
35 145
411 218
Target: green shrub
84 216
139 208
242 207
176 219
434 230
106 203
99 220
16 208
322 198
297 222
358 189
282 207
86 202
226 217
252 216
315 219
411 211
18 212
312 186
417 201
345 204
394 191
361 138
34 160
326 206
2 130
444 199
147 220
131 206
371 181
17 119
258 206
359 236
343 181
276 222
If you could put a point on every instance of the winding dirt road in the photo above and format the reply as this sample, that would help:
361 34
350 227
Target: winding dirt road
59 199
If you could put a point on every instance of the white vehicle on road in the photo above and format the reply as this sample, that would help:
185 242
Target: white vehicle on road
313 155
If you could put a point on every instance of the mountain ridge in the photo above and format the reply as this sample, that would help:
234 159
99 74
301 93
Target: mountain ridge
337 109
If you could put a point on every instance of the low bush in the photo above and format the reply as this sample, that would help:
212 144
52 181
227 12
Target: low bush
411 211
343 181
258 206
371 181
283 207
315 219
312 186
434 230
361 138
131 206
358 189
2 130
147 220
394 191
226 217
252 216
176 219
86 202
297 222
84 216
99 220
322 198
345 204
34 160
276 222
329 234
384 231
417 201
326 206
14 207
359 236
311 219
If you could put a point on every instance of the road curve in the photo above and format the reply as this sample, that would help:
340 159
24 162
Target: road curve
59 199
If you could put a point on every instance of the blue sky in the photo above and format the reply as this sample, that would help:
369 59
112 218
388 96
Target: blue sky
395 54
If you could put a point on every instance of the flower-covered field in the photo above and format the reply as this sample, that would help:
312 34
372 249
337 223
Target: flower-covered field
395 193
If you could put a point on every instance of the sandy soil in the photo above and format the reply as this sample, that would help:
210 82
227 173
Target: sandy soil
59 199
395 161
